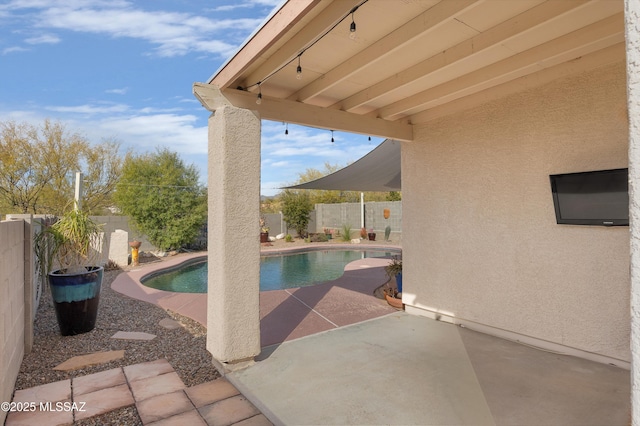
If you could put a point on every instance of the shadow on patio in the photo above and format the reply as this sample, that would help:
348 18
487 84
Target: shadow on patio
405 369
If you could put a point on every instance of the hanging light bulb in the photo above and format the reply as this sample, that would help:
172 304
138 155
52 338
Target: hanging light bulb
352 28
259 99
332 140
286 130
299 69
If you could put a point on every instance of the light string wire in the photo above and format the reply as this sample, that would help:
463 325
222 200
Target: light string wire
308 47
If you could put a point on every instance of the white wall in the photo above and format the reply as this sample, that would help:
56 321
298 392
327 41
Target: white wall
480 241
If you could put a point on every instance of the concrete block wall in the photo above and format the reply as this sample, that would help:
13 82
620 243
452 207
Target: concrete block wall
337 215
12 306
119 247
112 223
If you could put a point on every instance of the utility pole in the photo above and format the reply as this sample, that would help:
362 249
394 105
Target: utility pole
78 197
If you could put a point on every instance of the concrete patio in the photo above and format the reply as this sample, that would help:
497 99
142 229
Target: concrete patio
405 369
334 354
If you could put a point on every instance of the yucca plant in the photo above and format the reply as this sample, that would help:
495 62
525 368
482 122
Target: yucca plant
346 232
70 244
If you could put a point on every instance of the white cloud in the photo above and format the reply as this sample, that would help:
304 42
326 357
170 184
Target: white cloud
146 132
173 33
13 49
134 129
43 39
122 91
89 109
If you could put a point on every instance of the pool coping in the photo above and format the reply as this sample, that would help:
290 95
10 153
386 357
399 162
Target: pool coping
312 317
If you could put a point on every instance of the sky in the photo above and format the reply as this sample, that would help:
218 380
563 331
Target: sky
124 70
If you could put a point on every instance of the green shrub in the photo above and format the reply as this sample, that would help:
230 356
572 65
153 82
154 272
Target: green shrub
346 232
288 238
318 238
296 210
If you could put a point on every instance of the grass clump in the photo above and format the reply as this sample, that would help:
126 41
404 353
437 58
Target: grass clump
346 232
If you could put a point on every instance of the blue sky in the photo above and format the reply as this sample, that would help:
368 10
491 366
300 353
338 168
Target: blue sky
124 70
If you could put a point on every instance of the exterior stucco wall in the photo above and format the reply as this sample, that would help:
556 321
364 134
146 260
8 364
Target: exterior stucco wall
480 240
12 306
632 36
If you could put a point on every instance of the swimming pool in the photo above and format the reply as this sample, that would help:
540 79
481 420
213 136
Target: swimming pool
276 271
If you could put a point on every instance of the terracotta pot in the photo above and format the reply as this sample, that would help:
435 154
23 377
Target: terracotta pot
396 303
135 244
264 237
372 236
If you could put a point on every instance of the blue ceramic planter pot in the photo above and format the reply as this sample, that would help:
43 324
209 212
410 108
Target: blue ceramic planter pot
399 282
76 298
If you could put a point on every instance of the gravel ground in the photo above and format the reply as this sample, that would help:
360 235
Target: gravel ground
184 348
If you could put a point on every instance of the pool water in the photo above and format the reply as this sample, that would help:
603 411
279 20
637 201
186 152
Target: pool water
276 272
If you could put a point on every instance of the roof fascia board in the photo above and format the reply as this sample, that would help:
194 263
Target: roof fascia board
300 41
273 28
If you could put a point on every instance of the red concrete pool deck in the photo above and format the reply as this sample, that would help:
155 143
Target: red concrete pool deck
159 395
284 314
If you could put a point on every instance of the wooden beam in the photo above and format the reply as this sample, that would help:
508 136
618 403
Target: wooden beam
577 43
424 22
301 40
467 49
610 55
270 32
283 110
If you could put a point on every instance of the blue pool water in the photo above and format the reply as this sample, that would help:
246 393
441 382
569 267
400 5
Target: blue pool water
276 272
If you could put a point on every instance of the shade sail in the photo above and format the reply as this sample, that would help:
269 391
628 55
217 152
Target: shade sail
379 170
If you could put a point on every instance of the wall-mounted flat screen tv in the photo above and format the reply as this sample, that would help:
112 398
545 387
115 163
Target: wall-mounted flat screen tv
592 198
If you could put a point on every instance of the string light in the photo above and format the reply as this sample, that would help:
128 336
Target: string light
259 99
352 28
352 35
332 140
286 130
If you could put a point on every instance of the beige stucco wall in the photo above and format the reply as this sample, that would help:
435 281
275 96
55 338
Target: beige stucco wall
632 36
12 306
480 241
233 299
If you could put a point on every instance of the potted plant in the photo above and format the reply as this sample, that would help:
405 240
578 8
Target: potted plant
264 231
391 294
371 235
67 250
394 270
329 233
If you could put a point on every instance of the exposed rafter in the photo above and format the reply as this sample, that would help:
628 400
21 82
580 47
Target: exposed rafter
465 50
327 18
581 42
413 61
385 46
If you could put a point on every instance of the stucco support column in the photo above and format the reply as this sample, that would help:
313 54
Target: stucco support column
233 317
632 29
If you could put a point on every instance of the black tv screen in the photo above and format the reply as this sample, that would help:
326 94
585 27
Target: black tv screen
592 198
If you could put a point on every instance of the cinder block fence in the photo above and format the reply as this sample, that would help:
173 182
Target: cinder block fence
18 301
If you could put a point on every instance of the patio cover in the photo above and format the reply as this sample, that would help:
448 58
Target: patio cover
379 170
